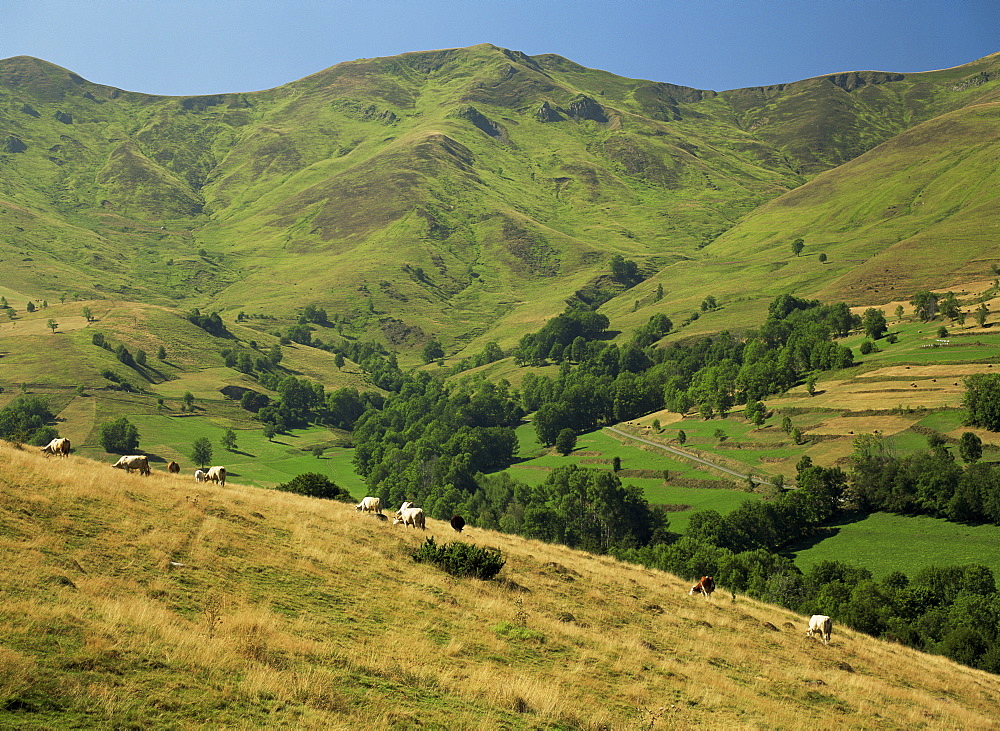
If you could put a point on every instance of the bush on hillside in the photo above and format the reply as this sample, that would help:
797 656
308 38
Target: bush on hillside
24 418
45 435
119 436
313 484
461 559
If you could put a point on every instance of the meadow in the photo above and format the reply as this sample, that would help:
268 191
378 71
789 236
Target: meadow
883 542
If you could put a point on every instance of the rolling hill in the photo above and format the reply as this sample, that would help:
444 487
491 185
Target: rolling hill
469 193
152 601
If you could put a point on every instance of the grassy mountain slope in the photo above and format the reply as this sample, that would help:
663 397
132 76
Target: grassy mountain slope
70 372
917 212
155 601
463 192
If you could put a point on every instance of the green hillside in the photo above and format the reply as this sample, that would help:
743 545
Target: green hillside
463 193
917 212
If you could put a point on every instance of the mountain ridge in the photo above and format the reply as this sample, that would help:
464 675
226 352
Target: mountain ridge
501 176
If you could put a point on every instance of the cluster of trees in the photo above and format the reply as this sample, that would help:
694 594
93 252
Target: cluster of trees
119 436
313 484
615 383
928 483
27 419
566 337
928 305
428 441
982 400
771 524
625 271
124 356
300 402
211 324
251 362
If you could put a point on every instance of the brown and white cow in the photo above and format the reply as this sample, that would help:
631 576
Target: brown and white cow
133 462
822 625
57 446
216 474
705 586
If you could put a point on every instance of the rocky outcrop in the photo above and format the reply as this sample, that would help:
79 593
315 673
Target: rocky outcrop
485 124
583 107
548 113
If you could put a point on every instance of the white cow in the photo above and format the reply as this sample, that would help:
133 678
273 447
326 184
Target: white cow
133 462
199 476
216 474
57 446
403 507
822 625
369 505
411 516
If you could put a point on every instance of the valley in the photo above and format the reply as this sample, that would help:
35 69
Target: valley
412 276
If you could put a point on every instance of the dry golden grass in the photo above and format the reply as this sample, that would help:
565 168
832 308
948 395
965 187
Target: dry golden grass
847 425
869 394
289 611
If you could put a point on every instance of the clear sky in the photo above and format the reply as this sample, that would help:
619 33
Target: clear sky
187 47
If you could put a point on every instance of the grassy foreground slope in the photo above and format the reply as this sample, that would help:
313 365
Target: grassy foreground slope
156 602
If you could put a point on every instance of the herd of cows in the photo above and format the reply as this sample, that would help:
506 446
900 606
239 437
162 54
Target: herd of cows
819 624
407 515
140 463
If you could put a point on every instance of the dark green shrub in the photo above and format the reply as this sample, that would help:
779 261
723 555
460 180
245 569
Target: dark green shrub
119 435
462 559
24 417
313 484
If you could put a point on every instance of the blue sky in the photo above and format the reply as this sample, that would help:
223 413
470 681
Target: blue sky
186 47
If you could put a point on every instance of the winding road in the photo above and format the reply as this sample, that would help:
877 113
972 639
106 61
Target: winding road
685 455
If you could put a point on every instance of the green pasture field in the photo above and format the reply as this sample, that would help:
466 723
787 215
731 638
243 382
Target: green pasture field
596 450
759 450
907 442
696 498
918 345
883 542
944 421
256 461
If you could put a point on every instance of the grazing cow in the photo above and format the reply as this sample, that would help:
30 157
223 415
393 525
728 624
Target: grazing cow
706 586
173 468
822 625
369 505
133 462
403 507
57 446
199 476
457 522
411 516
216 474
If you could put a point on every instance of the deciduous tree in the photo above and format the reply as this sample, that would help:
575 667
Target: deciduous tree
201 451
873 322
